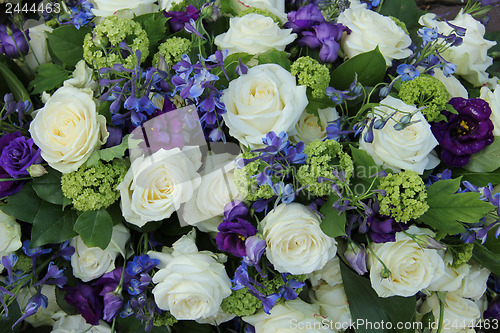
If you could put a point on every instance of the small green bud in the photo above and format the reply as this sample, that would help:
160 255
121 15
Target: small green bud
36 170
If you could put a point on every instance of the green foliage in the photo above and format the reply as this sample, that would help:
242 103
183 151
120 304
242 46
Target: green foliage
155 26
462 253
488 254
226 7
241 303
311 73
333 224
275 57
404 10
365 304
49 77
10 80
108 154
95 228
370 67
479 178
24 205
230 64
164 319
52 225
487 160
447 208
364 168
48 187
65 44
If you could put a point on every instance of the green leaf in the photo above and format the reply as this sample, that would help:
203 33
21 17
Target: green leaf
155 26
52 225
108 154
66 44
406 11
365 304
7 322
487 160
317 103
333 224
24 205
95 228
364 168
49 76
275 57
12 83
370 67
226 7
63 304
230 64
447 208
487 258
478 178
48 188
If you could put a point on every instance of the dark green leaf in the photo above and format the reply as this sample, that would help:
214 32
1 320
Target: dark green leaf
226 7
479 178
65 306
365 304
12 83
66 44
108 154
48 187
275 57
14 68
104 110
17 204
370 67
52 225
95 228
230 64
447 208
155 26
317 103
487 160
333 224
364 168
487 258
191 326
14 315
404 10
49 76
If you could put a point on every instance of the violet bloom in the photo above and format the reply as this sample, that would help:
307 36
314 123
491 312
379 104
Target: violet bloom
113 301
304 18
465 133
493 310
86 301
326 37
356 257
18 155
383 228
178 20
13 43
234 229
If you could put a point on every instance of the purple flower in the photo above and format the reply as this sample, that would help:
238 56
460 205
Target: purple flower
234 229
356 257
34 303
12 42
383 229
465 133
113 301
178 20
493 310
304 18
18 155
86 301
407 72
325 37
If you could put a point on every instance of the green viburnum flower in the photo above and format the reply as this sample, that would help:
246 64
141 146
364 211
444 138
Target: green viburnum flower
312 74
322 158
172 49
93 188
405 196
246 182
425 90
400 24
263 12
99 47
462 253
164 319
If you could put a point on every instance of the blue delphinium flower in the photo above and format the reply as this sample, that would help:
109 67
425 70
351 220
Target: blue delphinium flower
407 72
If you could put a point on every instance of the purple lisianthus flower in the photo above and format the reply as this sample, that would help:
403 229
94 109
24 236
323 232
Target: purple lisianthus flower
178 20
304 18
18 155
234 229
86 301
13 43
493 310
383 228
113 301
356 257
465 133
326 37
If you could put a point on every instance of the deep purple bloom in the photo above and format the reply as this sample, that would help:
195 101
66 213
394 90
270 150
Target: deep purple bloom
304 18
465 133
234 229
18 155
383 228
141 264
289 289
178 20
493 310
86 301
34 303
113 300
13 43
326 37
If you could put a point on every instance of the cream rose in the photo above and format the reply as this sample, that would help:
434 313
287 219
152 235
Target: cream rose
295 242
192 284
289 317
277 7
82 77
410 268
206 207
493 99
92 262
155 186
460 313
474 284
10 234
68 129
263 100
39 52
471 57
407 149
330 273
254 34
123 8
451 278
369 29
71 324
332 301
311 127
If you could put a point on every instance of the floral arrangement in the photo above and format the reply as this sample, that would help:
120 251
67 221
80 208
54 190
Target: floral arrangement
248 166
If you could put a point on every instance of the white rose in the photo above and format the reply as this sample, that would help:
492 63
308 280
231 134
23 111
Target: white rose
471 57
92 262
263 100
474 284
332 301
493 99
369 29
450 279
44 316
155 186
411 267
39 51
68 129
330 273
407 149
167 4
460 313
192 284
206 208
10 234
73 324
310 128
295 242
453 85
123 8
82 77
289 317
277 7
254 34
